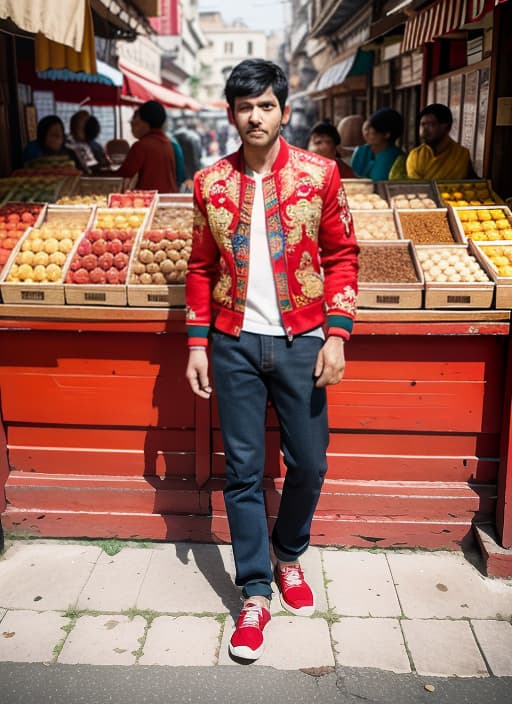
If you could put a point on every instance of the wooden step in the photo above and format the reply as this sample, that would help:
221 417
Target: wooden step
92 493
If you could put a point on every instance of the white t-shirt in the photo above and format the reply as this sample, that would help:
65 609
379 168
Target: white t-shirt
262 314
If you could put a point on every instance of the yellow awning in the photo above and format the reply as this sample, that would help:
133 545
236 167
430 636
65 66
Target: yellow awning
55 55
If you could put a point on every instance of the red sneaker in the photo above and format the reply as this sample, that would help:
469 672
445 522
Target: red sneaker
247 640
296 595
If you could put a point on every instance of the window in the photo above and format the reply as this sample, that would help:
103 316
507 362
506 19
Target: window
228 47
250 48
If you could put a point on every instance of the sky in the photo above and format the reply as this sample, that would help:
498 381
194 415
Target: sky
266 15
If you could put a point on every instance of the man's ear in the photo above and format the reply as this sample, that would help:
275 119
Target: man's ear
230 116
286 114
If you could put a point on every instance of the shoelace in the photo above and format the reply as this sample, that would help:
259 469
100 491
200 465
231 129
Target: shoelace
250 616
291 576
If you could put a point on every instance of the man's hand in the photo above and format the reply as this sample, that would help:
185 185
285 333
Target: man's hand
330 363
197 373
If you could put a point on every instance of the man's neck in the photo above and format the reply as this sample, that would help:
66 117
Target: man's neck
261 161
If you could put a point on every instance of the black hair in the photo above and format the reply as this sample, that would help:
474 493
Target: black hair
91 129
252 77
153 113
389 121
44 125
76 120
325 127
441 112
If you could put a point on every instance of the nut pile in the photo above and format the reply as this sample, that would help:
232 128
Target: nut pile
366 201
450 265
165 249
386 264
426 228
374 225
501 258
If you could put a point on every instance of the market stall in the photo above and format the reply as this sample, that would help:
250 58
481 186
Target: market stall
102 436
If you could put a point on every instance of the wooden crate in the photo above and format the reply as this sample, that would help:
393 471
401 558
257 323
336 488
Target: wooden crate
457 294
394 189
457 216
503 284
175 199
156 295
444 184
78 215
394 294
457 239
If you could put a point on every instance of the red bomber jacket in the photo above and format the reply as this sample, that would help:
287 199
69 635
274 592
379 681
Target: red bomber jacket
311 240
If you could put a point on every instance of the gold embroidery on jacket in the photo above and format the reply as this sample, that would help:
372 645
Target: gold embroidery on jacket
345 300
310 280
220 220
222 290
305 214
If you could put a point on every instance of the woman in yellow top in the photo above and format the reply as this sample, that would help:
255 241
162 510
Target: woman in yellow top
439 157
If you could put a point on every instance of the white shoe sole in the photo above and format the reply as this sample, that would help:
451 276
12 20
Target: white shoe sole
246 653
303 611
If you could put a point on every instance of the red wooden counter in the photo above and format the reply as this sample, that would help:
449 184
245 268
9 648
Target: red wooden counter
100 435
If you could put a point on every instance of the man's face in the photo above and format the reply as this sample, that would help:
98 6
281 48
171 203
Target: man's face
259 119
431 130
322 144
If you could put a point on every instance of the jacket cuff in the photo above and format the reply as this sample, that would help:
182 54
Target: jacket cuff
198 335
339 326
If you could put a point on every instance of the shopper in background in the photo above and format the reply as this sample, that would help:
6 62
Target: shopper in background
77 142
380 159
325 140
349 129
151 158
49 142
439 157
92 129
273 251
191 145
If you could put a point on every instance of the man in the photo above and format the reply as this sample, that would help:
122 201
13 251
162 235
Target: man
191 146
266 219
439 157
152 156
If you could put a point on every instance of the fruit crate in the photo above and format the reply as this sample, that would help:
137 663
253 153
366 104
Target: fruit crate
354 186
96 185
502 277
101 292
495 222
372 225
475 189
39 292
452 293
410 195
126 199
175 199
424 222
391 293
175 226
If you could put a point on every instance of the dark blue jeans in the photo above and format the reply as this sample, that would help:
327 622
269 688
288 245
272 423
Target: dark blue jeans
247 372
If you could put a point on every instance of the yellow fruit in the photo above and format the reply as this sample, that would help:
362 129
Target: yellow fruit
502 224
24 272
36 245
53 272
51 245
58 258
26 257
484 215
40 273
66 245
505 270
40 258
489 225
507 233
496 214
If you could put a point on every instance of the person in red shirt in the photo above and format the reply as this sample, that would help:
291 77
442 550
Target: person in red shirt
152 156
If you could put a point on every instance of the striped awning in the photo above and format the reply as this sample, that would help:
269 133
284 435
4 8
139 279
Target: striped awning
443 17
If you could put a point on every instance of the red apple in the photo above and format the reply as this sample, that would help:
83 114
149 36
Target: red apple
113 276
115 246
90 262
98 276
120 260
99 246
81 276
85 247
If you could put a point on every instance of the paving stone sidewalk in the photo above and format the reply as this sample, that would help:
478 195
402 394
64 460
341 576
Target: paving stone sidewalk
174 604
